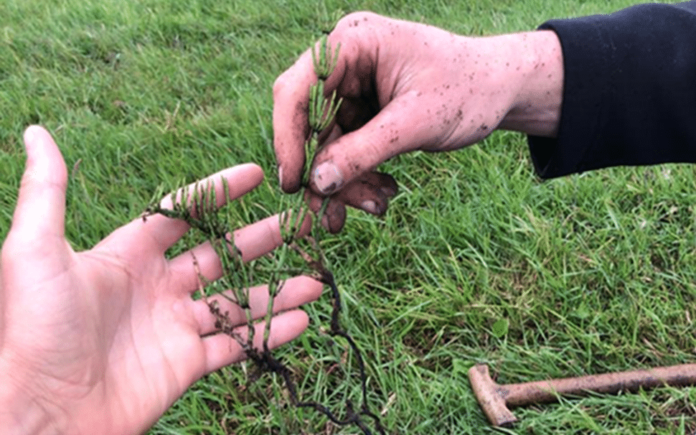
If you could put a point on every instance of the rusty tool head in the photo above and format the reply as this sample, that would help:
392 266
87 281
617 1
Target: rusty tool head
491 396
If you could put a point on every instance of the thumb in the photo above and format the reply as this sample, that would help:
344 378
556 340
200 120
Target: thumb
41 203
399 127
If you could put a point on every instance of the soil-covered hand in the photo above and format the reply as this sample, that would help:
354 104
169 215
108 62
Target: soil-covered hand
405 87
104 341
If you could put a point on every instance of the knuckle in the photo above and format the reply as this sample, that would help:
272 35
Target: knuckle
354 19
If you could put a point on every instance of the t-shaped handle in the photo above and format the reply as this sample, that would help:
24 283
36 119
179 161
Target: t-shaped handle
490 396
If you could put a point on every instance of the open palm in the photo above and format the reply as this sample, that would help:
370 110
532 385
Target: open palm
104 341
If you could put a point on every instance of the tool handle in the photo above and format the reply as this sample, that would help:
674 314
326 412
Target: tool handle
609 383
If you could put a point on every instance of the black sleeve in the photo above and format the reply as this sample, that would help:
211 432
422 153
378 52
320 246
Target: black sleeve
629 93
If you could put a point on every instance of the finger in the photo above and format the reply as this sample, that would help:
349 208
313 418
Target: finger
40 208
290 124
253 241
294 292
398 128
222 350
334 216
370 193
163 232
291 102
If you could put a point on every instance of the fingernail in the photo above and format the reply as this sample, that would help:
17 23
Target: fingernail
280 175
369 206
327 178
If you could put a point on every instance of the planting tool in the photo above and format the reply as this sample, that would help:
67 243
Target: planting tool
495 398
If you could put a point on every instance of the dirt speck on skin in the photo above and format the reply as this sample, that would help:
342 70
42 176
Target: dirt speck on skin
300 122
483 127
300 109
394 136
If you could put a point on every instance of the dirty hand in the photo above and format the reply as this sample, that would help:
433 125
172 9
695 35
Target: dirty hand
104 341
406 87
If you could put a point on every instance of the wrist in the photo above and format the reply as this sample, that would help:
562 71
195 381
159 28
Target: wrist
536 109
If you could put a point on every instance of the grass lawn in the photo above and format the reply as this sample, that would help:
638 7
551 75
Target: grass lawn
476 260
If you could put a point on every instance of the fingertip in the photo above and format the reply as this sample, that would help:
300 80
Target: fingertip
288 183
44 160
287 327
247 171
31 133
312 286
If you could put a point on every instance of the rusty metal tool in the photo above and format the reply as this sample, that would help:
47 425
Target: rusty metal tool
496 398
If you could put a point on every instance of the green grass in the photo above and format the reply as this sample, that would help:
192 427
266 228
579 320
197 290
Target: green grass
591 273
